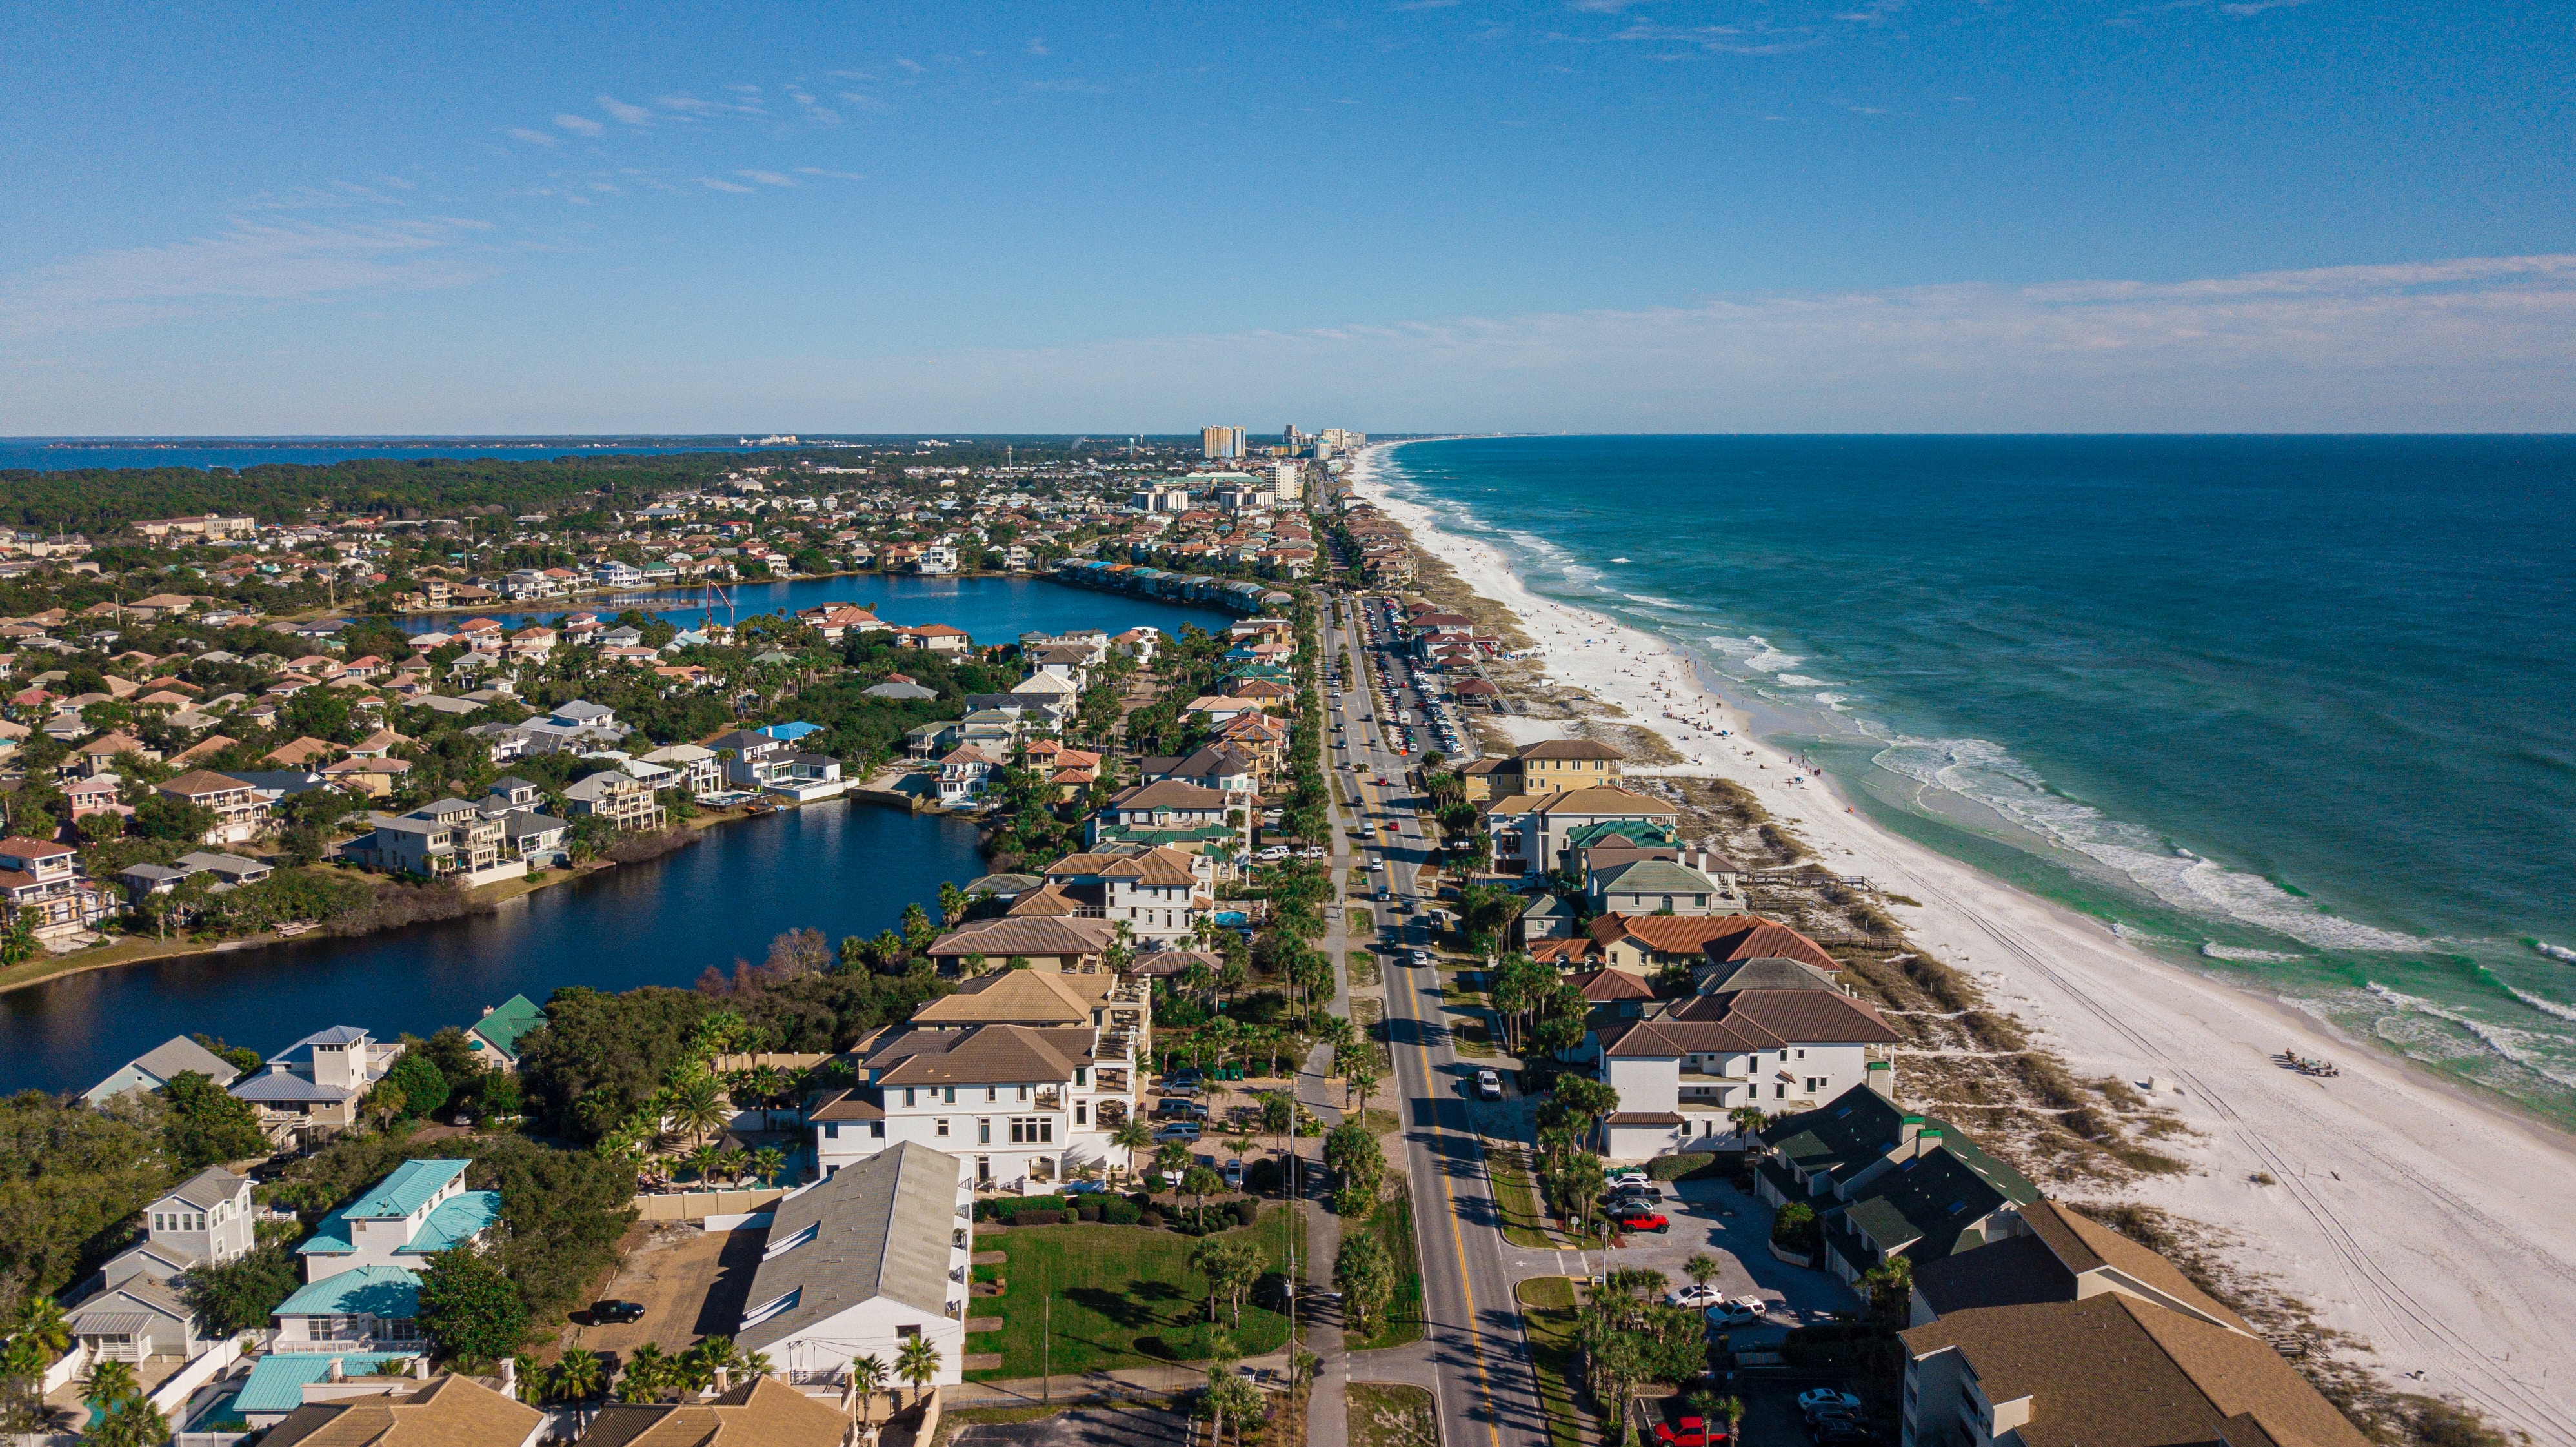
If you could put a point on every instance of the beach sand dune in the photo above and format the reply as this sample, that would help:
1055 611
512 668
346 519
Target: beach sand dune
2433 1224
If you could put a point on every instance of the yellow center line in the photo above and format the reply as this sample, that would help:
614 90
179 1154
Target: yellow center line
1458 1243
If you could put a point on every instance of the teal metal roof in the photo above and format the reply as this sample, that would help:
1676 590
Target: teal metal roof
455 1222
387 1293
277 1381
406 1190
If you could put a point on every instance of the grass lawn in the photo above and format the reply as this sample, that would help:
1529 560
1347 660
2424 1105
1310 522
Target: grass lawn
1547 1313
1402 1326
1363 966
1524 1224
1385 1415
1123 1297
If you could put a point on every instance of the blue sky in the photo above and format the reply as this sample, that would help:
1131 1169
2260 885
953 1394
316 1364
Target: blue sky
1651 216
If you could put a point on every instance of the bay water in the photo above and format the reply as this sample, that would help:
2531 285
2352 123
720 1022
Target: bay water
2299 710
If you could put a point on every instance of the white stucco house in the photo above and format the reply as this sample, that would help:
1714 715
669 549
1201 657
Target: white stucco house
863 1261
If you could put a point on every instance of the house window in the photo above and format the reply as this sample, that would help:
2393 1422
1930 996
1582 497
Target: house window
1080 1071
939 1127
984 1132
1024 1092
906 1333
1814 1084
908 1096
831 1132
1032 1130
1082 1112
876 1130
992 1093
1778 1092
949 1097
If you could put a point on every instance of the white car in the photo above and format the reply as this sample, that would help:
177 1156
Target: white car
1742 1311
1489 1086
1816 1397
1273 853
1632 1178
1697 1298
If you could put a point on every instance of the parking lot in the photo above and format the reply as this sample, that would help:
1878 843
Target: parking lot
1714 1217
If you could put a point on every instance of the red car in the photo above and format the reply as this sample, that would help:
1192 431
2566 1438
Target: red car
1641 1220
1694 1432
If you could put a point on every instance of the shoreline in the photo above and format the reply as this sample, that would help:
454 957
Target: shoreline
503 892
2436 1233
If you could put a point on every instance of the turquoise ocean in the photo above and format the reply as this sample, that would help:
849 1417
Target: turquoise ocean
2300 711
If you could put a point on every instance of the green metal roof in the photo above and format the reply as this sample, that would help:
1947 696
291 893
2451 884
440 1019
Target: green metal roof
1920 1206
455 1222
509 1020
1639 831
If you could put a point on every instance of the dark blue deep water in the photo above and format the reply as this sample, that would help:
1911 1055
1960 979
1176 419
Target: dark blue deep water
2302 709
843 867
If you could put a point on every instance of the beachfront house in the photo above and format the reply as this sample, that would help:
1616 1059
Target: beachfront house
1532 832
363 1309
1547 767
698 769
1779 1039
863 1263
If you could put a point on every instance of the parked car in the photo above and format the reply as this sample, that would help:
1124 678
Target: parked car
1697 1298
1742 1311
1693 1432
1839 1432
602 1313
1234 1174
1632 1178
1173 1107
1489 1086
1639 1218
1178 1130
1816 1398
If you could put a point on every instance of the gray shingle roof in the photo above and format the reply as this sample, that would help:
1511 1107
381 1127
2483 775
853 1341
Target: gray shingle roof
882 1228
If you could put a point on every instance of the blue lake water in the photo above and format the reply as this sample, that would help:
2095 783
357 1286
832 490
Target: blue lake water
991 610
2302 710
843 867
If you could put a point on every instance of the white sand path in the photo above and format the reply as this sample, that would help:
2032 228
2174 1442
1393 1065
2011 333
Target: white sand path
2429 1222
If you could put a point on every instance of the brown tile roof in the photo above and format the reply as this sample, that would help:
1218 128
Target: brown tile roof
2084 1245
1167 794
448 1412
1673 934
763 1412
1606 799
1011 997
2115 1371
1002 938
1569 749
1050 901
1561 953
1793 1016
1600 985
200 783
847 1105
1770 941
989 1055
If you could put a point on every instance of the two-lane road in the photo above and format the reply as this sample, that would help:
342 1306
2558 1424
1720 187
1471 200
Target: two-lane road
1487 1392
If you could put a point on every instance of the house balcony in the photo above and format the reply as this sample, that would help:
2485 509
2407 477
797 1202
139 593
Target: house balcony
1050 1098
1111 1082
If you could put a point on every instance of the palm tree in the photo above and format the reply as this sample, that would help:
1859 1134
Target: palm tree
42 1322
732 1162
1362 1080
1732 1409
697 1107
1701 1269
757 1364
646 1372
1173 1158
767 1162
703 1160
1131 1136
868 1377
918 1362
111 1384
1747 1119
576 1378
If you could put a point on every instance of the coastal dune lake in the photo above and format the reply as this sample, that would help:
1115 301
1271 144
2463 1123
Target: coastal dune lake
843 867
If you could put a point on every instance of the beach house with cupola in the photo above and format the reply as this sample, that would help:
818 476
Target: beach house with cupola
319 1081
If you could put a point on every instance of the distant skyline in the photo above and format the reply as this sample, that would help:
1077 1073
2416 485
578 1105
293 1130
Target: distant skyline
1906 215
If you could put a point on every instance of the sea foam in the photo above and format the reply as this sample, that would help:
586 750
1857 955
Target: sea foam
2505 1043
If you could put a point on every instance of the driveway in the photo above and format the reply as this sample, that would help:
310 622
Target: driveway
692 1284
1082 1427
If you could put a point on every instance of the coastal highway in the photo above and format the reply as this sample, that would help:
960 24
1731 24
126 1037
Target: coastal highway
1487 1392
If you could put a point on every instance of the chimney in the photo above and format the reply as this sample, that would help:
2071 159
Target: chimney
1926 1141
509 1369
1881 1076
724 1380
334 1373
509 1375
1907 1129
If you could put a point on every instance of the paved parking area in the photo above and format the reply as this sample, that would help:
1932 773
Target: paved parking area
1715 1218
1082 1427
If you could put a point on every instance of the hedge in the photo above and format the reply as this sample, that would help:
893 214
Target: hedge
1694 1165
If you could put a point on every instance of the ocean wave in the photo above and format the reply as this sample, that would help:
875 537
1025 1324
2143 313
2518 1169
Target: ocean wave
2504 1042
1988 774
1800 680
2238 952
2545 1007
2555 952
1770 659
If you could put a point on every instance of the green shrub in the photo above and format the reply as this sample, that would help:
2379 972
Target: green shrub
1795 1228
1677 1167
1118 1211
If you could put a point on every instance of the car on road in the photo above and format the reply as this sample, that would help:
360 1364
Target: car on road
1383 894
1742 1311
1419 959
1815 1399
1692 1432
1697 1298
1489 1086
604 1313
1639 1218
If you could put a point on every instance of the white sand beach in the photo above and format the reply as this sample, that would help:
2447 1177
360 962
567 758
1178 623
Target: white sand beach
2430 1223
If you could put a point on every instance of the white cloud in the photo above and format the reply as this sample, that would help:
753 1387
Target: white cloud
1038 46
768 178
712 184
534 138
633 115
265 262
834 175
580 125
